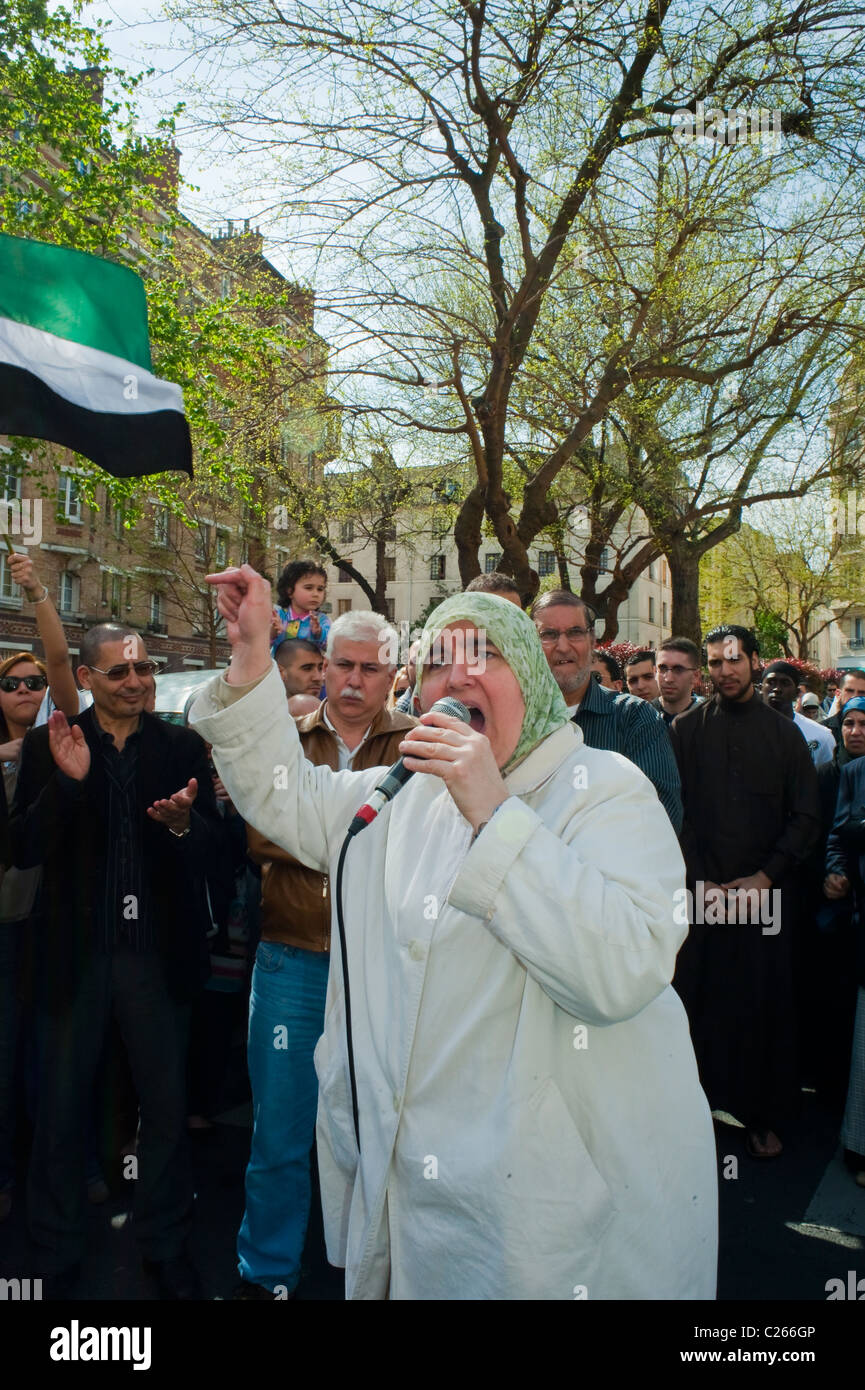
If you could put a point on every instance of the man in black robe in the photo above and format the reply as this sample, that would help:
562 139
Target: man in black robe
751 818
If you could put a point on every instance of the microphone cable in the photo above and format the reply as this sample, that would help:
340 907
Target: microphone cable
343 953
454 708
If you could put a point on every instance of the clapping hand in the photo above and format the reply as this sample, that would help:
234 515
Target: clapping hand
68 746
174 810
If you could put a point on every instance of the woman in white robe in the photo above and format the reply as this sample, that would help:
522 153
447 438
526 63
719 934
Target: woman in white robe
531 1121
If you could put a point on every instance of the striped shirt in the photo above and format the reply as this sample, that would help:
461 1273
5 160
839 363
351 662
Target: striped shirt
620 723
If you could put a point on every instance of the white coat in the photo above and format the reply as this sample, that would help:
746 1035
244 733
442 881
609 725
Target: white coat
531 1120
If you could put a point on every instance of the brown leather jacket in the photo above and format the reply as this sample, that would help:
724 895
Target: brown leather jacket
295 900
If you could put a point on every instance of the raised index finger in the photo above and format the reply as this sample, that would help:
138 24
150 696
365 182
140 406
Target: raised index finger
230 576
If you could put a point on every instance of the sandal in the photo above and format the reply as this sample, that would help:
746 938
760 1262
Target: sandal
758 1145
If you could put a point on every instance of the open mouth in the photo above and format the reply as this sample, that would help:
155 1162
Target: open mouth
477 720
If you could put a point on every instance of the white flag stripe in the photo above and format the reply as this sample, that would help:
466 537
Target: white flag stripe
86 376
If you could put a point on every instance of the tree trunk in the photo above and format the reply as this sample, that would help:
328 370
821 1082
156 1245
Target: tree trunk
379 601
685 576
467 534
558 537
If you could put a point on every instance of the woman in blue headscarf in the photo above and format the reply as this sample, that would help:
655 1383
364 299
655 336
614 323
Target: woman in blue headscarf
531 1122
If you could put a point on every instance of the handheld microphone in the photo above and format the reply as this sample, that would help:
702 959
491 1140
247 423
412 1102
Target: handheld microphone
399 774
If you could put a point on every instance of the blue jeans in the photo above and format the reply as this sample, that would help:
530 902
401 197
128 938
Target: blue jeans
286 1019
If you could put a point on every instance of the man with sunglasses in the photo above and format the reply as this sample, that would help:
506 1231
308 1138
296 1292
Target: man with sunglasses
618 723
117 806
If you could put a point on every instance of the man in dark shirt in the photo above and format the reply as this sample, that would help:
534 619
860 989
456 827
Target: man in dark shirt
117 806
618 723
751 819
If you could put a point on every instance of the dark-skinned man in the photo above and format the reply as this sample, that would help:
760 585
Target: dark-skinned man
780 689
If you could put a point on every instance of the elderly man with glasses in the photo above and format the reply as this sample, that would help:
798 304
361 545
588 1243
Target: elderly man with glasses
618 723
117 806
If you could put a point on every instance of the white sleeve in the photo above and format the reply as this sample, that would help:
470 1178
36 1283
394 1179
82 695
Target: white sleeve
257 753
595 915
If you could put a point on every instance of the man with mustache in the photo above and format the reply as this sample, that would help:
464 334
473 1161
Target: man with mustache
350 729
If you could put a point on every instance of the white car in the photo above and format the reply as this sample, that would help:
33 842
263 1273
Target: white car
176 690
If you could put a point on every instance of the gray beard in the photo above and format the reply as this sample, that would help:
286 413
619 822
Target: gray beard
568 684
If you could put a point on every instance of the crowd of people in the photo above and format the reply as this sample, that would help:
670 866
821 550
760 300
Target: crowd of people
609 909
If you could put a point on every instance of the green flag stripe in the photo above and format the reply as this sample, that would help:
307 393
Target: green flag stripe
75 296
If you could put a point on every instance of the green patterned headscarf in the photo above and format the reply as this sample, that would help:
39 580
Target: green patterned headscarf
514 634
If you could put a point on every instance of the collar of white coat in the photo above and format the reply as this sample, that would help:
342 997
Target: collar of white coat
544 760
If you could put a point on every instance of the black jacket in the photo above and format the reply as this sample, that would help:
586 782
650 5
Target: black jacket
60 824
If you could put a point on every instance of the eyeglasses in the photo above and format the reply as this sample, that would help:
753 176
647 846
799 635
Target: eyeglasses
9 684
550 635
119 673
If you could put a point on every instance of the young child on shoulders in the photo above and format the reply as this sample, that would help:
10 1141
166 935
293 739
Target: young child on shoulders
300 592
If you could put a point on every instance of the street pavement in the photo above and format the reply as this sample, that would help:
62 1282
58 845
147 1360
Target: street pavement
788 1226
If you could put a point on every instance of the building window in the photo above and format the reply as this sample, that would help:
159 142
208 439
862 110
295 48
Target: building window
437 567
69 499
118 523
604 560
440 527
112 591
310 468
70 592
129 595
346 532
390 567
652 570
389 604
651 609
546 563
157 611
160 525
343 605
10 481
664 616
221 549
492 561
202 542
341 576
9 591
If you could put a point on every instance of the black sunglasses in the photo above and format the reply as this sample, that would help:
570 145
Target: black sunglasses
9 684
119 672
